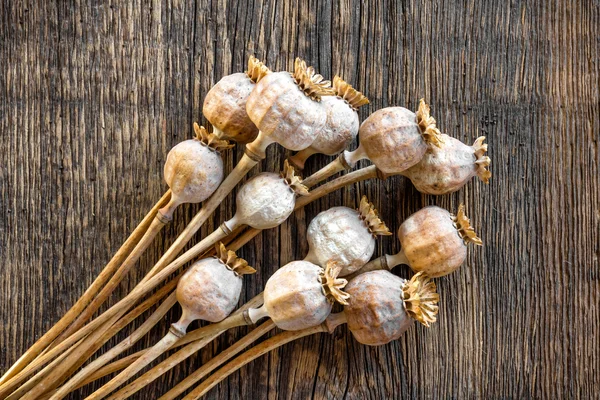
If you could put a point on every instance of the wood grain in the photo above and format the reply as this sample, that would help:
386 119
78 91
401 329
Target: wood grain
92 97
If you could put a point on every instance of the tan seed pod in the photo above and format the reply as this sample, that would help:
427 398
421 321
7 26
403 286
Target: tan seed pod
383 306
448 168
435 241
345 236
395 138
286 107
211 287
225 103
294 296
194 168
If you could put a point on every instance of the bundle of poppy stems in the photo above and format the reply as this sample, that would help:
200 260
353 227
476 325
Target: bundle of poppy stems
306 114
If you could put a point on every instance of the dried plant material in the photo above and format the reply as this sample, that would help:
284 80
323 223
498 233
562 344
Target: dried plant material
266 200
340 235
294 297
431 243
256 69
376 313
483 162
421 298
312 84
344 90
463 225
292 180
371 218
427 125
332 285
449 168
210 139
233 263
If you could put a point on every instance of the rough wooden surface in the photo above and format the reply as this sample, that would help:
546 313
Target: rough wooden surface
93 96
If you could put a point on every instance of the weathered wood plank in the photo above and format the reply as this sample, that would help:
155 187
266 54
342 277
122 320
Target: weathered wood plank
92 97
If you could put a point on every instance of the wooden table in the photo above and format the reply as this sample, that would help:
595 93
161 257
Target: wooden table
92 97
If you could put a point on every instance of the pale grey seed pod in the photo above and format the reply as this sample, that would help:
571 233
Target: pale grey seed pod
300 294
448 168
268 199
345 236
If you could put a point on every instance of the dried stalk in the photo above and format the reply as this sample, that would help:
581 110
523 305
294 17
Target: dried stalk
88 375
157 224
126 343
172 361
88 295
338 165
243 359
200 373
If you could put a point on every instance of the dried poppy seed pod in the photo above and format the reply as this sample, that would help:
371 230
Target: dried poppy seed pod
345 236
225 103
211 288
342 122
268 199
300 295
395 138
383 306
435 241
286 108
194 169
447 169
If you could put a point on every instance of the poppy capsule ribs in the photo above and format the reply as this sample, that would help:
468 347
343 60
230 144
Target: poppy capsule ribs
435 241
300 295
448 168
225 103
383 306
286 108
341 126
211 288
194 169
268 199
395 138
345 236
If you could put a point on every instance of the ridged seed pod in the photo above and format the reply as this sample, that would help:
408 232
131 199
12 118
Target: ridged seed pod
211 287
448 168
286 107
345 236
300 294
383 306
435 241
225 103
395 138
268 199
194 168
